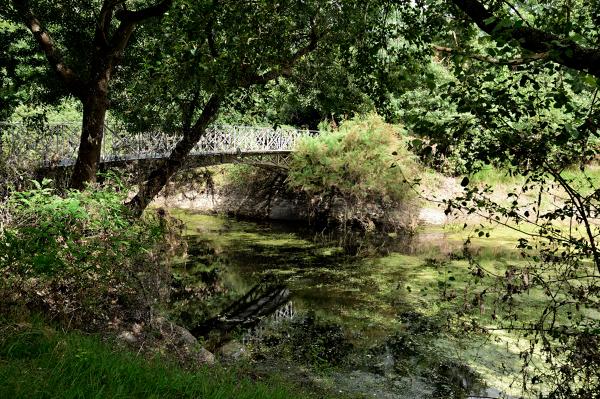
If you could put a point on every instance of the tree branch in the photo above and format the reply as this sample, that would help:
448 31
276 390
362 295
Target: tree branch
130 18
210 110
516 11
134 17
210 34
561 50
210 39
188 108
69 77
160 176
493 60
285 68
104 19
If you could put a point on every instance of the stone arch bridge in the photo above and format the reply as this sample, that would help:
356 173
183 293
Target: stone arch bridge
56 145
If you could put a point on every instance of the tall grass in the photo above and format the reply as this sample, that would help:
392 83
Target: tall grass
496 176
38 362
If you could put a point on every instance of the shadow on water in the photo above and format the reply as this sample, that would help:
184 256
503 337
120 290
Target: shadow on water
349 320
262 301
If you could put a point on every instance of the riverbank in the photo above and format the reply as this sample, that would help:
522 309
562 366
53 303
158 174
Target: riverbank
278 209
38 361
85 292
228 194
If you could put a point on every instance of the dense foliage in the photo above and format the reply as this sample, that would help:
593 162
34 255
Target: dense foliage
80 256
526 108
362 165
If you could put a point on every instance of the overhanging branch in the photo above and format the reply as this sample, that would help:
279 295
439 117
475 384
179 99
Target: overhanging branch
493 60
561 50
130 18
69 77
104 20
134 17
285 68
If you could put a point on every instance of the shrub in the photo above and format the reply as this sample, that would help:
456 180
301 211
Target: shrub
81 256
362 165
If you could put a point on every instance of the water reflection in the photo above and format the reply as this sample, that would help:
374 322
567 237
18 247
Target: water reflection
351 317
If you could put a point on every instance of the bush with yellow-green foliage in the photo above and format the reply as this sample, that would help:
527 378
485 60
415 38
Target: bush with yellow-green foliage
357 175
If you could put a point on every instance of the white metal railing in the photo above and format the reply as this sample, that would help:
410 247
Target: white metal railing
57 144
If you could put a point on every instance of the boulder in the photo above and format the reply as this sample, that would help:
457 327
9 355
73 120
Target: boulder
178 335
233 351
127 337
205 357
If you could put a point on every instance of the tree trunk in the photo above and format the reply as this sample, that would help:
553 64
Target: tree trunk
106 50
90 144
160 176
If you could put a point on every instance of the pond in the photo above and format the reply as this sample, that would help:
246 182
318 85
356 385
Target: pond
366 325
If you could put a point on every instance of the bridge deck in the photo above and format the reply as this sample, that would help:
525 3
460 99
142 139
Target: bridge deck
117 160
57 144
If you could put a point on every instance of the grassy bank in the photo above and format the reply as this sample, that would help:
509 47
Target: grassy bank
40 362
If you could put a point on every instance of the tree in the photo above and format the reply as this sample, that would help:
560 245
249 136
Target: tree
218 51
527 92
84 60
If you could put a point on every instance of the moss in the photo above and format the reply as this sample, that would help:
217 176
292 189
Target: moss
368 296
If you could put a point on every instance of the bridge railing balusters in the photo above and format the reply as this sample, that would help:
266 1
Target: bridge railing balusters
61 141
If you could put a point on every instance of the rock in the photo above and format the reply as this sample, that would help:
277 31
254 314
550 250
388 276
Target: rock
127 337
205 357
233 351
184 336
137 329
178 335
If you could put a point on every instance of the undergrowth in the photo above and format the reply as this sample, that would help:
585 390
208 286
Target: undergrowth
81 258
